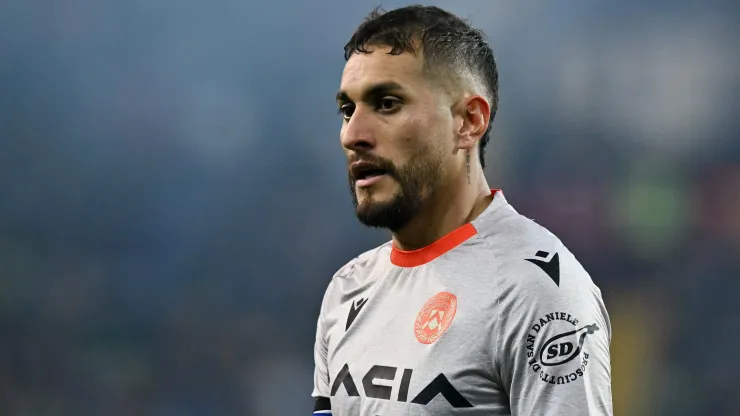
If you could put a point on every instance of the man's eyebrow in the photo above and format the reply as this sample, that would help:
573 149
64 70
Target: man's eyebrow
375 91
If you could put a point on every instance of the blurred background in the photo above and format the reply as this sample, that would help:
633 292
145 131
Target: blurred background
173 196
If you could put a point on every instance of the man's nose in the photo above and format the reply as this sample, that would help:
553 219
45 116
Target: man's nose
357 134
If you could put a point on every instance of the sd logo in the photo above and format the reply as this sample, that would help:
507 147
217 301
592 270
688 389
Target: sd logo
559 359
559 350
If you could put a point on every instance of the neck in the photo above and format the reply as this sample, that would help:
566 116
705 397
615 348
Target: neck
453 206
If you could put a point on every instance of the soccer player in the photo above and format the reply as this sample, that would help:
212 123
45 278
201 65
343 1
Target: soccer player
471 308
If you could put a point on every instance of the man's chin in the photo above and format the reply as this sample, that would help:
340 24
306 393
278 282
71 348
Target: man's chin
389 215
370 197
374 216
382 205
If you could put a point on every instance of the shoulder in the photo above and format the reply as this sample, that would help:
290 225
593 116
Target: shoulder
511 237
365 260
525 253
358 272
533 268
358 267
542 290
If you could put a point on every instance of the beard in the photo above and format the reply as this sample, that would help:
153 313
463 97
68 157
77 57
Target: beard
417 181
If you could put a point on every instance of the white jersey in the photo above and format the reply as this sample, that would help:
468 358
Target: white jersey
495 318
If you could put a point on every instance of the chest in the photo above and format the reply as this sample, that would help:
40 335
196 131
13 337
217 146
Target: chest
414 341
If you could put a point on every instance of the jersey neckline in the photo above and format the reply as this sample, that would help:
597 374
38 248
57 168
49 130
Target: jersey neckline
419 257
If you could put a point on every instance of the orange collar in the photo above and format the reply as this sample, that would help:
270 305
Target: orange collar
414 258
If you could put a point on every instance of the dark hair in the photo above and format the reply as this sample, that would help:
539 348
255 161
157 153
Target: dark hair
449 45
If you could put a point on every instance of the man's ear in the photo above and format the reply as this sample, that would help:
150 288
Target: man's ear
475 113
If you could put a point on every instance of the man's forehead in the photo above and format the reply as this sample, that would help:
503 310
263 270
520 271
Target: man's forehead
363 70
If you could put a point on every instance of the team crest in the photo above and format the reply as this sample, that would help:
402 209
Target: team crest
435 317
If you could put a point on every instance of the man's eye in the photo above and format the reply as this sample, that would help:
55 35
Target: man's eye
388 104
346 111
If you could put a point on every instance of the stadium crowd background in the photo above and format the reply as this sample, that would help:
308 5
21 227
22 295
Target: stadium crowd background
173 197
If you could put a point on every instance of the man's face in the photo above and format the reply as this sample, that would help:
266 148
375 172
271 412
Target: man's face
396 133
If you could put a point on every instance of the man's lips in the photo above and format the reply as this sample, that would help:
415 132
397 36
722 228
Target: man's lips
366 173
369 180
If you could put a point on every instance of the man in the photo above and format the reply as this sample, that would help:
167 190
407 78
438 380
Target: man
471 309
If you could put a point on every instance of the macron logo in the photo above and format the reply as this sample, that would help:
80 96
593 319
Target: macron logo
552 267
355 310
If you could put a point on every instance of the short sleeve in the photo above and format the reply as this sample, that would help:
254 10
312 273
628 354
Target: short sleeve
552 338
322 403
